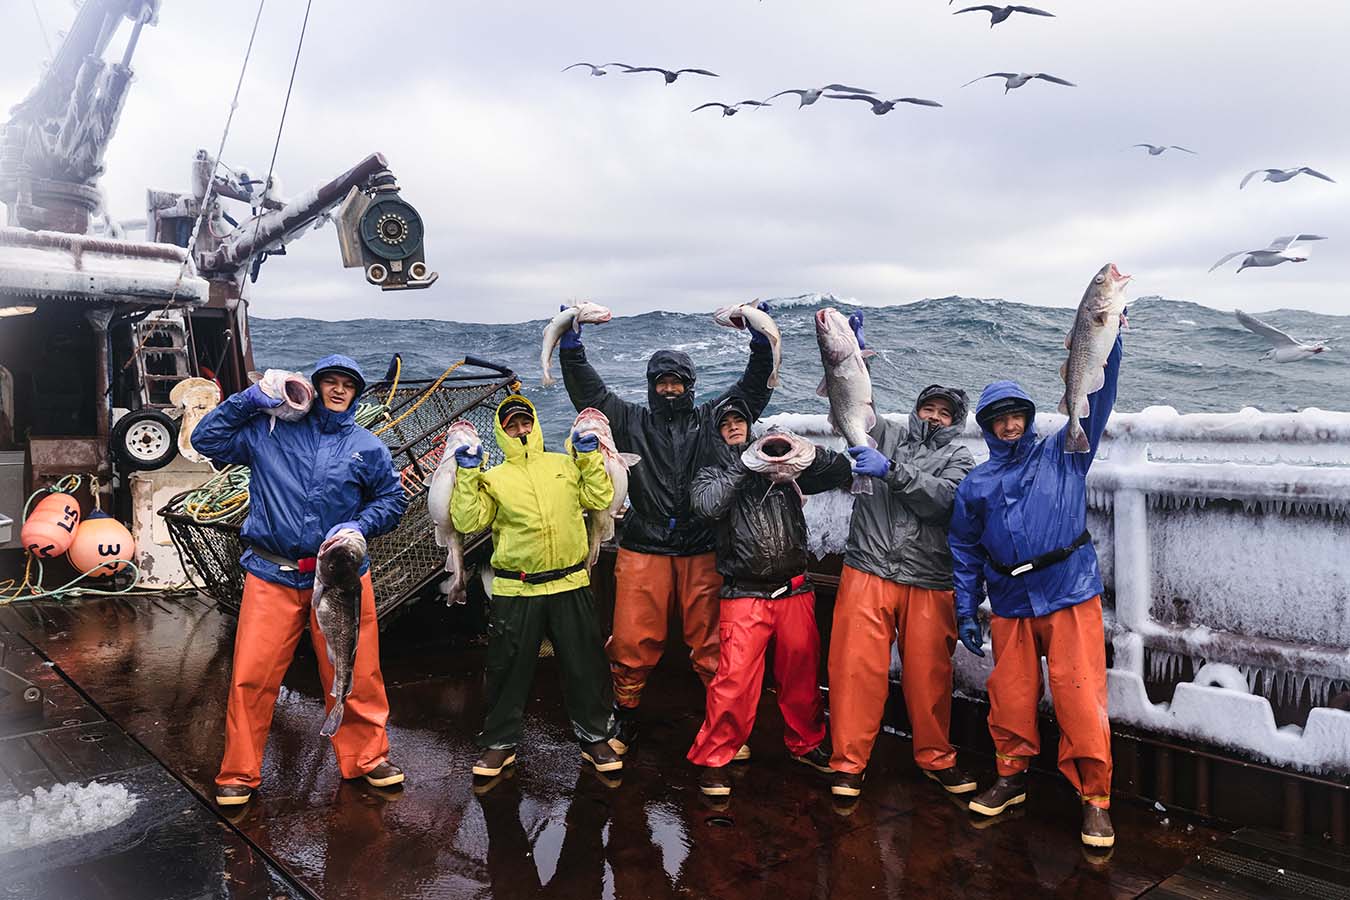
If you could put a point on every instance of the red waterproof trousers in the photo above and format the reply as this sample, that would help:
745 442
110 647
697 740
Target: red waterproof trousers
1074 648
746 627
271 618
869 614
645 587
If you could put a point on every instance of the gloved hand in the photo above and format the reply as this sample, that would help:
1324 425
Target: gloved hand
469 459
343 526
971 635
571 338
757 339
868 461
585 443
855 322
259 398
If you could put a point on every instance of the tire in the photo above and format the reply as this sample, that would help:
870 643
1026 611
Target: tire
145 439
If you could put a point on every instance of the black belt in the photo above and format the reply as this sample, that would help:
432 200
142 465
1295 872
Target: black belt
773 588
538 577
1045 559
305 565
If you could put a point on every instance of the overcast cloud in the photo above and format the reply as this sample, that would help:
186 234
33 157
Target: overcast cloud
538 185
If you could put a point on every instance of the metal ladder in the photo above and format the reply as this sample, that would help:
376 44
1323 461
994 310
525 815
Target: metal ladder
166 359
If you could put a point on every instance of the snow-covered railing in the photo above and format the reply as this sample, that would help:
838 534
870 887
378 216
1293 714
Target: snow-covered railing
1224 542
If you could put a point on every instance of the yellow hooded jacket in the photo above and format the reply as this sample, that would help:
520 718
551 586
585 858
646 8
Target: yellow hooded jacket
533 501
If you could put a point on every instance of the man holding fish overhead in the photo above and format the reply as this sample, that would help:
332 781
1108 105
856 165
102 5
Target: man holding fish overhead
1019 531
318 480
533 502
666 553
755 493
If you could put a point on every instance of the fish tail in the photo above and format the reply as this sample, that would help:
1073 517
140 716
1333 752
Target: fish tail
1076 439
330 725
549 379
861 485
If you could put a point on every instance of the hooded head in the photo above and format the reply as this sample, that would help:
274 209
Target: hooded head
516 447
1000 398
957 403
345 365
670 362
733 404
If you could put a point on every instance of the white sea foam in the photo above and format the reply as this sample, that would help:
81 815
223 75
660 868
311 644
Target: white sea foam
64 811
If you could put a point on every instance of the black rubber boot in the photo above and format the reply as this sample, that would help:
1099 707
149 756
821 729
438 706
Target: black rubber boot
625 729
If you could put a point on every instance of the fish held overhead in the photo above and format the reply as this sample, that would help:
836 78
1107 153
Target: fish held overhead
749 315
1099 318
583 313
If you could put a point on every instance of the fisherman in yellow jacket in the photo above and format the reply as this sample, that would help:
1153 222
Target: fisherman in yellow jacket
533 501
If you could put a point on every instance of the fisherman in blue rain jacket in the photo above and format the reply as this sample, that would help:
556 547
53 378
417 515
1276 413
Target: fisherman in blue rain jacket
1018 530
309 479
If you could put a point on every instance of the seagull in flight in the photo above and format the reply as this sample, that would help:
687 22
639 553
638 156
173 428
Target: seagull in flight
597 71
666 73
1155 149
1281 250
731 110
1279 175
1001 13
807 96
1286 349
881 107
1017 79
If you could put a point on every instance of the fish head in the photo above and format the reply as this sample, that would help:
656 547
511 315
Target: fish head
835 337
729 316
1105 295
461 433
340 557
592 421
779 455
592 313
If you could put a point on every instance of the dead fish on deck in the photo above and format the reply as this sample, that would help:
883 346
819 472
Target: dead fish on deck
1089 344
583 313
600 527
294 390
748 315
847 384
459 435
337 608
780 456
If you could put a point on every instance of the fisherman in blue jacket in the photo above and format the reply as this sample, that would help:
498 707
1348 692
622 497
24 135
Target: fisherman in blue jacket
309 479
1019 530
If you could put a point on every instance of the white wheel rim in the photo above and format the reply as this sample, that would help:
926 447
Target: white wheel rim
148 440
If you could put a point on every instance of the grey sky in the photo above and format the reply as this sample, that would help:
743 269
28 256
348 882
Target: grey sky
538 185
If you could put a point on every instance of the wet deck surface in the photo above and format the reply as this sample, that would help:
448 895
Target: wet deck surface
159 674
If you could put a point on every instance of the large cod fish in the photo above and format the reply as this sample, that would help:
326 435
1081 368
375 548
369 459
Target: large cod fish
337 608
600 528
295 392
583 313
780 456
1089 344
458 435
847 384
749 315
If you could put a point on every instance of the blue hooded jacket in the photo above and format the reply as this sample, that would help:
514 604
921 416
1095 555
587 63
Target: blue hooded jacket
1029 498
306 477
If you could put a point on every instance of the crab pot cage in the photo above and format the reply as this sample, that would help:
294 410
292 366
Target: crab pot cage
407 559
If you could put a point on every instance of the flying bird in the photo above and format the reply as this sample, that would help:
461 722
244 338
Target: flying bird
807 96
597 71
1017 79
881 107
731 110
666 73
1279 175
1281 250
1155 149
1286 349
1001 13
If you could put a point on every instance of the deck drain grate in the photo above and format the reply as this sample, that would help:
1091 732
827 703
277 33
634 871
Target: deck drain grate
1274 876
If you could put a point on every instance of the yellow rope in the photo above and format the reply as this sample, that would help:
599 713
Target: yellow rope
423 399
398 372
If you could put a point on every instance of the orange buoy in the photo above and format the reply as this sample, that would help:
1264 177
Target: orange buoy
100 539
50 527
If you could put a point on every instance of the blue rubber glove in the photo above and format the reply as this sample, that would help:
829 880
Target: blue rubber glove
867 461
259 398
585 443
855 322
571 338
353 526
469 459
971 636
757 339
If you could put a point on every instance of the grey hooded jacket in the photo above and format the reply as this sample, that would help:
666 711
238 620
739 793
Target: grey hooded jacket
899 531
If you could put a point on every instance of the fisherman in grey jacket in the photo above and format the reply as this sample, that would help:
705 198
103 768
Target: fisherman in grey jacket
897 584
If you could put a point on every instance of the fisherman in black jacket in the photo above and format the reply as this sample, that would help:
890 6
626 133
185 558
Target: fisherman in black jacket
666 552
766 595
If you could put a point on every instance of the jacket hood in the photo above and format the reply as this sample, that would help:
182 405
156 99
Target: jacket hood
940 436
670 362
994 393
336 362
514 448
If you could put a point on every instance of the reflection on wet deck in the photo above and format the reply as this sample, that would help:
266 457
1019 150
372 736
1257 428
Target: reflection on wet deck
553 829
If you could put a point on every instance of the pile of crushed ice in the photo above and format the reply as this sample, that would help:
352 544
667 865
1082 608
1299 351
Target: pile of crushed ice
64 811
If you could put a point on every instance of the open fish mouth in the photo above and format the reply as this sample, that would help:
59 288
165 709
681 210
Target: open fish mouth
775 447
1116 274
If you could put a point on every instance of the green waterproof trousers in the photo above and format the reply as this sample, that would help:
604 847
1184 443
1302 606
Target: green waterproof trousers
516 627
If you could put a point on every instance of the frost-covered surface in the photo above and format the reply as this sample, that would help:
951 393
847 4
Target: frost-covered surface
48 265
63 811
1223 542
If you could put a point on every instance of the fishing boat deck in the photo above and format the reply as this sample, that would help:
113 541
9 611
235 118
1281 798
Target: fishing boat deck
135 693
